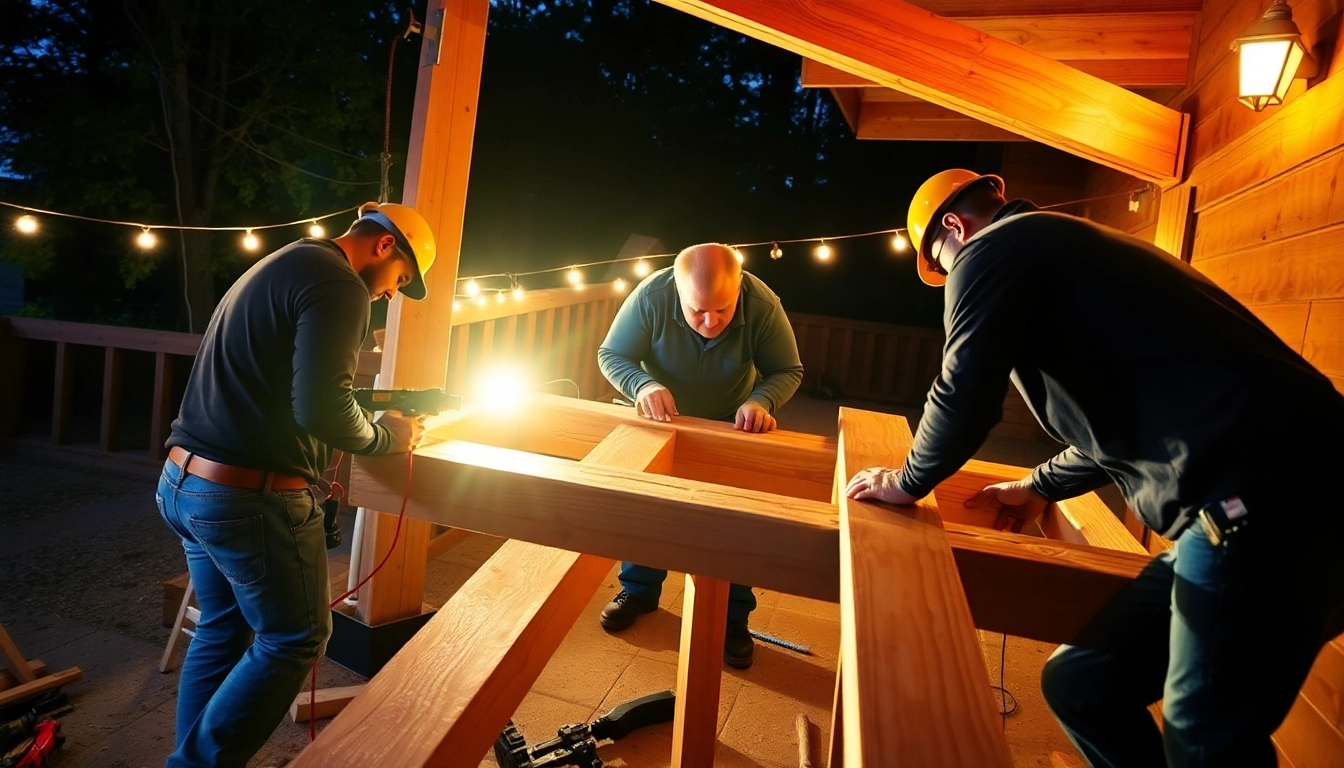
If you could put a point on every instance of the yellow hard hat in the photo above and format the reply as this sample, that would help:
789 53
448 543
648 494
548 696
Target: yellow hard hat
413 235
926 212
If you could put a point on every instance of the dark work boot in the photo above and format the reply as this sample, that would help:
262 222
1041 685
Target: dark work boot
624 608
739 650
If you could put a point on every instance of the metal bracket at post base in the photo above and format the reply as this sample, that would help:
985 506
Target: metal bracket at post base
364 649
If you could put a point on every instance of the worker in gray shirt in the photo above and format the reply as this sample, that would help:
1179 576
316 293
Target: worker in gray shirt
701 338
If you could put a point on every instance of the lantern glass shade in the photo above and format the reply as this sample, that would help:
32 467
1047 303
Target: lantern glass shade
1271 56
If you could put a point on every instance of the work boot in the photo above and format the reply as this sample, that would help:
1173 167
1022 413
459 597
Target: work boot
739 650
624 608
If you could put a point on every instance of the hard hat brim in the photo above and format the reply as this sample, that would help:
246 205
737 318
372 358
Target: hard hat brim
416 289
935 229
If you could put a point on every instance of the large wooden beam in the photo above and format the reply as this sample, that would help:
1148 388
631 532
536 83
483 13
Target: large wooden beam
1129 73
704 623
971 8
914 683
415 349
900 46
922 121
448 693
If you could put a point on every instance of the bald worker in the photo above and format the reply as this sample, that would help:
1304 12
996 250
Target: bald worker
700 338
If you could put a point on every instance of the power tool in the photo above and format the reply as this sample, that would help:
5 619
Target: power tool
577 744
36 751
411 402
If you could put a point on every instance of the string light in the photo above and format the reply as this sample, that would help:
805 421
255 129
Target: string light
619 285
26 224
457 305
823 252
517 292
250 241
316 230
499 297
899 243
473 290
146 240
775 252
738 255
480 301
575 277
642 268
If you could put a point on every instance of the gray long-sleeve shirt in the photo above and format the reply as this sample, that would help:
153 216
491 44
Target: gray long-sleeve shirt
1152 375
271 385
755 358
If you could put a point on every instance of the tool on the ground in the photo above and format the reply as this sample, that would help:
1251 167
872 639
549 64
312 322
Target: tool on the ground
45 740
764 638
577 744
411 402
804 743
15 731
46 704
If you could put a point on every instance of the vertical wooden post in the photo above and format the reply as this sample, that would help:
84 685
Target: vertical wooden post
836 752
12 351
415 352
1174 213
110 423
704 622
160 416
60 401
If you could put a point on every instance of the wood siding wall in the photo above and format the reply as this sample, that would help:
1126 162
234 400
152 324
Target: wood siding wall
1268 227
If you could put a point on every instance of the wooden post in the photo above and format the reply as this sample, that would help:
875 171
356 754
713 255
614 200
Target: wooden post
60 402
12 352
415 350
161 416
704 622
836 751
110 423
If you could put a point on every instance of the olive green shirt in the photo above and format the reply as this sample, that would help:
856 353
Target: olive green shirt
755 358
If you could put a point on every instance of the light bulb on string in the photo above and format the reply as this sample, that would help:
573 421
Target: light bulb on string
27 224
738 255
316 230
473 290
480 301
775 252
899 243
641 268
575 277
499 296
517 292
823 252
619 285
457 305
146 240
250 241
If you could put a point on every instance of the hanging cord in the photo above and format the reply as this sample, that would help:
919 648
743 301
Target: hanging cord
1004 694
386 158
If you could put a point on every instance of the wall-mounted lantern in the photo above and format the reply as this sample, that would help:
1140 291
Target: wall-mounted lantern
1272 55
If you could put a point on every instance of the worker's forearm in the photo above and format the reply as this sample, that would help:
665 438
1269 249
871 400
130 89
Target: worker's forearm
1069 474
776 388
623 373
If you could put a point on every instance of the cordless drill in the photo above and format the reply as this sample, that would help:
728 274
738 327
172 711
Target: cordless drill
411 402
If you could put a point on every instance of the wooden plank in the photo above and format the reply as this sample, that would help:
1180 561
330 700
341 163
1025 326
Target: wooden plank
703 625
836 751
922 121
1324 687
913 644
110 422
457 358
1129 73
448 693
850 103
1287 321
960 8
1095 36
1307 738
1258 275
1323 344
94 335
51 682
943 62
161 417
532 301
444 542
62 391
329 703
1174 223
37 667
1087 520
18 665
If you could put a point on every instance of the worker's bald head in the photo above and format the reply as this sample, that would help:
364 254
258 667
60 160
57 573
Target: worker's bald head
709 279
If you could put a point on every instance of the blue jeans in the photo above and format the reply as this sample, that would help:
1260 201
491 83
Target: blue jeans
258 563
647 584
1223 635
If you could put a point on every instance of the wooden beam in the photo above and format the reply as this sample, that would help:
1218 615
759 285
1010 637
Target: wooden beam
1155 35
327 702
61 394
448 693
850 102
18 665
1129 73
532 301
36 666
900 46
922 121
110 424
912 644
444 542
161 407
966 8
27 690
415 350
1174 221
704 621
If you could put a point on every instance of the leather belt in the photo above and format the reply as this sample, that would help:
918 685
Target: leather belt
236 477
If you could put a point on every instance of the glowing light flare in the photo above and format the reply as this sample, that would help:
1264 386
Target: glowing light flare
517 293
146 240
480 301
473 290
775 252
619 285
250 241
499 297
738 255
457 305
641 268
316 230
26 224
823 252
899 243
501 390
575 277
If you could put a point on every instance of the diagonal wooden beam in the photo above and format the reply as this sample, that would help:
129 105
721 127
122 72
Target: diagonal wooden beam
1129 73
448 693
906 634
899 46
965 8
922 121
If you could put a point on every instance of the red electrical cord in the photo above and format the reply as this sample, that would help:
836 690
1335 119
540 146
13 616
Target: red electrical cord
401 515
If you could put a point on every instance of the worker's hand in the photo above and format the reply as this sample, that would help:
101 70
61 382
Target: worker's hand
406 430
879 484
1018 504
753 417
655 402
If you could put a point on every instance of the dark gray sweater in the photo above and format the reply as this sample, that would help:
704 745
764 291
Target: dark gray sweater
1153 376
271 386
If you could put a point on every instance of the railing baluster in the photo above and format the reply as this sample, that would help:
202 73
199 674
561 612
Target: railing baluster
110 424
60 401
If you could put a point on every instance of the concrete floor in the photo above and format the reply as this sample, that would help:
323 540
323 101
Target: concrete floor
83 555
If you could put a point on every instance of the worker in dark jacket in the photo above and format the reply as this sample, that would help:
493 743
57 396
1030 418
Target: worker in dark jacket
1220 437
701 338
268 400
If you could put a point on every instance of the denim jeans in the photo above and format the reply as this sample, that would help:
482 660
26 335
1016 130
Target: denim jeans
647 584
1223 635
258 563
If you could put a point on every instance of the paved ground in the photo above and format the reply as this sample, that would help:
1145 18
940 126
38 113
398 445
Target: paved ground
83 555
